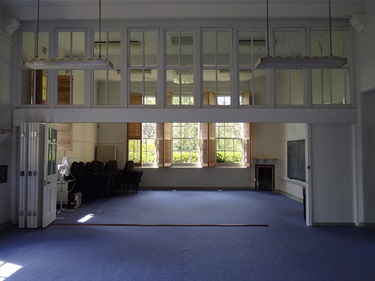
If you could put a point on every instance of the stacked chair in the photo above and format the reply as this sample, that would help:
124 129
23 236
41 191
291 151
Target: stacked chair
131 177
98 181
116 176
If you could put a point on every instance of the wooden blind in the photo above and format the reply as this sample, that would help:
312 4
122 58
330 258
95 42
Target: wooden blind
64 136
169 98
203 143
63 90
209 98
167 144
212 144
246 98
246 144
160 144
134 131
135 98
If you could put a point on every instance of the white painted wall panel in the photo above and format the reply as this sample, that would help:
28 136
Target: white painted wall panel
84 143
367 194
5 82
332 174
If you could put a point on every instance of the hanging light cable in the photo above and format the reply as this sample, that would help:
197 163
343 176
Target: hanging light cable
70 63
305 62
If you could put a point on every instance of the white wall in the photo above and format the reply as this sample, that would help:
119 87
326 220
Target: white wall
6 47
196 178
290 131
5 194
365 69
269 140
114 134
84 143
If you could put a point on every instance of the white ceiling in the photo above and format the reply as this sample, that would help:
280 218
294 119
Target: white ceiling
161 9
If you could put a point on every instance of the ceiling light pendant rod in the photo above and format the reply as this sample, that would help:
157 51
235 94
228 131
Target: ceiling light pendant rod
100 29
267 31
36 51
330 28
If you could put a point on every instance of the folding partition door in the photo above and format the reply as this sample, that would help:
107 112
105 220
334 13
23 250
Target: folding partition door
38 179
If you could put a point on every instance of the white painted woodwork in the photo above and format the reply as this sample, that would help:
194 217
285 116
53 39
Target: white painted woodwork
332 174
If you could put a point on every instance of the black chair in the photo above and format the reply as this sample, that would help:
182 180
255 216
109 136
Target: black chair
101 184
116 176
131 177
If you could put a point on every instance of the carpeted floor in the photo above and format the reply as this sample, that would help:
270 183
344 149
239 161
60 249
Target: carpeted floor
107 247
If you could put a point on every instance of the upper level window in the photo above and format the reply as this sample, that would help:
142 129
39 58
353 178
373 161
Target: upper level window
179 60
216 62
107 83
71 83
34 82
252 82
143 61
289 83
330 86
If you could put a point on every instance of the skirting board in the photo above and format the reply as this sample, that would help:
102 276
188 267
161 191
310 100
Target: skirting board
5 225
289 195
214 188
367 225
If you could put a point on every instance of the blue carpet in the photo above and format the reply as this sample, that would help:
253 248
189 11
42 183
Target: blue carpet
286 250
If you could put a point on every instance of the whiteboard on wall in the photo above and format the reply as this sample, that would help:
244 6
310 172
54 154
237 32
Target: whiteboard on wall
104 153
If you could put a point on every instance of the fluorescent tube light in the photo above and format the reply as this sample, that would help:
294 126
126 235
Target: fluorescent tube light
68 64
300 62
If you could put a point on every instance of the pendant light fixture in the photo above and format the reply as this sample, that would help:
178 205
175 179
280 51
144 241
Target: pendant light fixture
305 62
68 63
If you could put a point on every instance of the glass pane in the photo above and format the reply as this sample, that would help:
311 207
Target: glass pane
260 87
114 48
289 87
245 48
114 87
289 43
107 87
100 87
187 48
209 87
28 45
172 48
78 90
151 48
340 86
136 86
282 43
100 43
135 48
151 87
134 147
319 43
282 87
296 87
172 87
340 43
245 87
34 82
296 43
259 45
78 45
209 48
223 48
64 45
224 87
